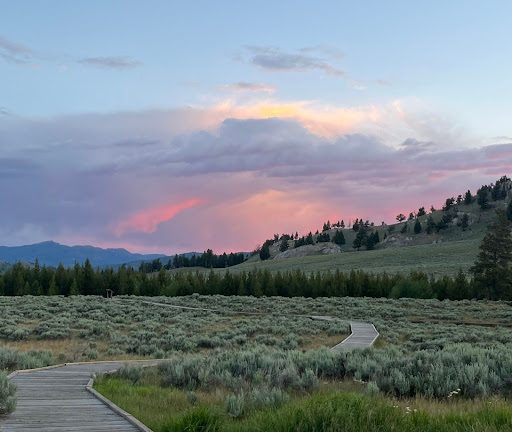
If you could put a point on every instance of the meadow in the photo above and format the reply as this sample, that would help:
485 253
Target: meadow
240 371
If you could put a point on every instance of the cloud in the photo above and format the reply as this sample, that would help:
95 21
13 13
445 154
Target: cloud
16 167
16 53
118 63
228 176
274 60
502 138
147 220
384 83
243 86
3 111
330 51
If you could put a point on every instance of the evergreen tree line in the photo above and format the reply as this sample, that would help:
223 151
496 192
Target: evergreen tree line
83 279
207 260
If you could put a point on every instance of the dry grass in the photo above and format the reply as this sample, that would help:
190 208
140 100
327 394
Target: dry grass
322 339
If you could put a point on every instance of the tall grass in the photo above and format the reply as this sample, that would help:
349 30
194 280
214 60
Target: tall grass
167 410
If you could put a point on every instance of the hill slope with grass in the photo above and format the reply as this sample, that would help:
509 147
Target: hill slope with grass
447 248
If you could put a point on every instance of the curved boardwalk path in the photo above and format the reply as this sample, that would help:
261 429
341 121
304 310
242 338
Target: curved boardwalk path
55 400
363 335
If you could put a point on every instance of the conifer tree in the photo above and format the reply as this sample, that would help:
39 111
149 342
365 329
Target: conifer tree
468 198
265 252
417 227
376 238
360 239
339 238
464 222
400 217
430 225
483 197
491 269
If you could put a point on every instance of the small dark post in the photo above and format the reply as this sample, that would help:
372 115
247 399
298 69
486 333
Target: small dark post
110 294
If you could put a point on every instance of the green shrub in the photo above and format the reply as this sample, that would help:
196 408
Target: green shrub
192 397
201 419
235 405
264 397
7 394
132 373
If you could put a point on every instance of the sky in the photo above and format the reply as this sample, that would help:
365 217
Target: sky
168 127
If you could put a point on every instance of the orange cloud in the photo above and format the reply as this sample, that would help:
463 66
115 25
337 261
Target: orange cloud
148 220
322 120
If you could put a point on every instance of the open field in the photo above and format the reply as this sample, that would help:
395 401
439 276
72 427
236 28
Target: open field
345 407
240 366
419 365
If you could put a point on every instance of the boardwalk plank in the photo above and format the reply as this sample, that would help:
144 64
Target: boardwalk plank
55 400
363 335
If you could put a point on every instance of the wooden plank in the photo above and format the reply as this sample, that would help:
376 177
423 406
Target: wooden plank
56 400
362 335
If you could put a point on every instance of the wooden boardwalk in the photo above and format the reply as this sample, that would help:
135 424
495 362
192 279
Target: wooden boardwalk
363 335
55 400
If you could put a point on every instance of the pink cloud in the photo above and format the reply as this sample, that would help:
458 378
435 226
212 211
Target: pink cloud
147 221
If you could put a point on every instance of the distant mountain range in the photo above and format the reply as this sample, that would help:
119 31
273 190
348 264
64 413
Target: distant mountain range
51 253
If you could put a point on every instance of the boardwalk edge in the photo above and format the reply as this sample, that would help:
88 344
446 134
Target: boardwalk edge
139 425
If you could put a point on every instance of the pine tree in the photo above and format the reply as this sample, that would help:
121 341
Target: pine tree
284 245
491 269
338 237
342 224
74 288
376 238
360 239
468 198
417 227
421 212
509 211
464 222
265 252
400 217
53 290
430 225
483 197
370 242
309 239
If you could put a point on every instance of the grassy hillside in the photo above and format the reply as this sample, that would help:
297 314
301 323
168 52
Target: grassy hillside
442 253
438 259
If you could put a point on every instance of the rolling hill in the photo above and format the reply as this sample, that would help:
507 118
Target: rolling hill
51 254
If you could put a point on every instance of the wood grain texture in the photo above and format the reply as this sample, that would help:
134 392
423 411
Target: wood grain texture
56 400
363 335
